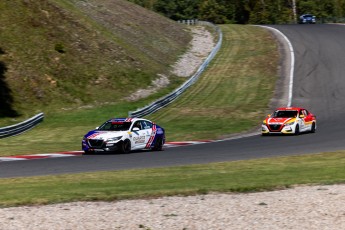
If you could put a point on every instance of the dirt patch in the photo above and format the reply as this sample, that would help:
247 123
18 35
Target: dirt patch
200 47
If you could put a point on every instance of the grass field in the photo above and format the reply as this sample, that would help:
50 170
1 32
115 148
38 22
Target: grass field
238 176
232 96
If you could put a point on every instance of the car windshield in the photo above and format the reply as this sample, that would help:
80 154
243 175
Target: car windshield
285 113
115 126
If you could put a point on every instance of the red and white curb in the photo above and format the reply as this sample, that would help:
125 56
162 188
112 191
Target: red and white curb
78 153
41 156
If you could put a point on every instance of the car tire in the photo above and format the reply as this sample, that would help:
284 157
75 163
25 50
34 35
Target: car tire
125 146
87 153
297 130
313 128
158 145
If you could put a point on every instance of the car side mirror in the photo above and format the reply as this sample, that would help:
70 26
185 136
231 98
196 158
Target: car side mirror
135 129
301 116
97 127
269 115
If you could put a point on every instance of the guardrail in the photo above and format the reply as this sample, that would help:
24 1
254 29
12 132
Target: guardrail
21 127
162 102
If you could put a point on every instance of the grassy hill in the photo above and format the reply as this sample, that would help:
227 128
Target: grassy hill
64 54
78 61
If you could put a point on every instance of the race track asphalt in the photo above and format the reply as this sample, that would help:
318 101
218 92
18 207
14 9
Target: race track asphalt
319 85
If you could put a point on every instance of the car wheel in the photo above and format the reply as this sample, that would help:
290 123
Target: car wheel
125 147
313 128
158 145
297 130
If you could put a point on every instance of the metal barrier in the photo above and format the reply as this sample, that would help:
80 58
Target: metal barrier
162 102
21 127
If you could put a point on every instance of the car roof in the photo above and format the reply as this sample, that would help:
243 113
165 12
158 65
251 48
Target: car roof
126 119
290 108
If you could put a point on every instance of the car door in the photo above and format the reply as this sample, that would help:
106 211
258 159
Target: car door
149 128
304 120
138 136
151 131
308 120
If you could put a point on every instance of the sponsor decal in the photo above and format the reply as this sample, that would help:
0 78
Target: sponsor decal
139 140
121 120
117 122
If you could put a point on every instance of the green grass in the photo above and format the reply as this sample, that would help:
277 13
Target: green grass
231 96
239 176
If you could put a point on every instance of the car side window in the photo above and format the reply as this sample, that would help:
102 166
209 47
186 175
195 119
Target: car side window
137 124
147 125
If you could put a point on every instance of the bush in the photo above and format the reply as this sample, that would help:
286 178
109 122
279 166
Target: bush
60 48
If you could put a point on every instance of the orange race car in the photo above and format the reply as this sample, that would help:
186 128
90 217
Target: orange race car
289 120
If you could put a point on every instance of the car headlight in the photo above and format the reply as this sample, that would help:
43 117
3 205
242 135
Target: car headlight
113 139
290 123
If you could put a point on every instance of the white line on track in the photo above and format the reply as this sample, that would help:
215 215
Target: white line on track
292 63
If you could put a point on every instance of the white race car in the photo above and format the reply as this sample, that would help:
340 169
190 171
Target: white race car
124 135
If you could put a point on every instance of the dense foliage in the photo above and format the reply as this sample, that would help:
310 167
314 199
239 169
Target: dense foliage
247 11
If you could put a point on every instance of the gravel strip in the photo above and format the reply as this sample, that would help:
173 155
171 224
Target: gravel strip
201 46
314 207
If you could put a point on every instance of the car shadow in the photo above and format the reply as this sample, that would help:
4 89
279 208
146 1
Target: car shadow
286 135
116 153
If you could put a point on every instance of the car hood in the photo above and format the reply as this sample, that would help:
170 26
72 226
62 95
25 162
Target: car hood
279 120
103 135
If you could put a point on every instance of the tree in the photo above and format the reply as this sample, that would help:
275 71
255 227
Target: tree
211 10
246 11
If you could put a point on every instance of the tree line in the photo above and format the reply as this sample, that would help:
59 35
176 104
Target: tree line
247 11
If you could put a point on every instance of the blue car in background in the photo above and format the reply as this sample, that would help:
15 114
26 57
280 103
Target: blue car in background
307 19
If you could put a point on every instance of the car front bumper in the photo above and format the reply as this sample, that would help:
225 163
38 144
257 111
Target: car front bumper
282 129
102 146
